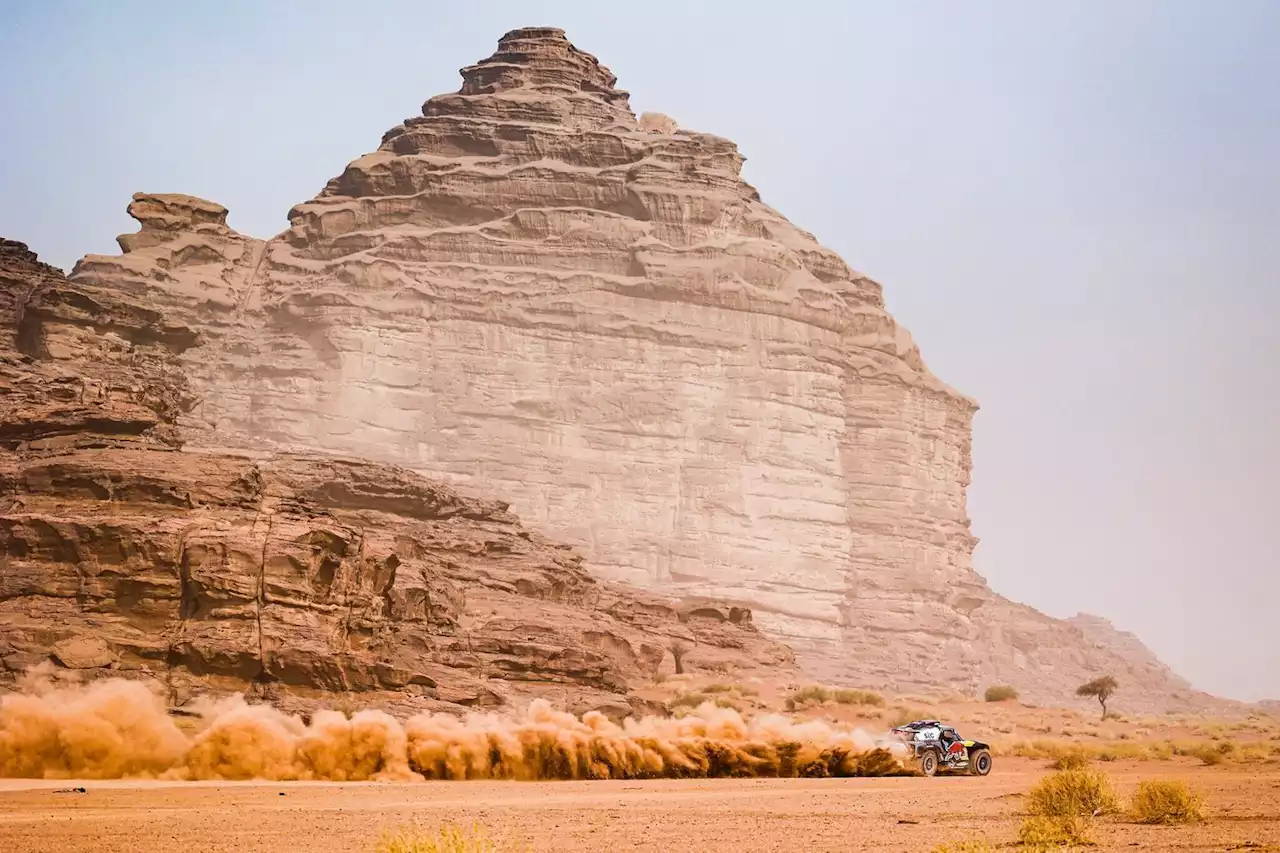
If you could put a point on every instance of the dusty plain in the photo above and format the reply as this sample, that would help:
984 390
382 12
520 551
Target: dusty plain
717 816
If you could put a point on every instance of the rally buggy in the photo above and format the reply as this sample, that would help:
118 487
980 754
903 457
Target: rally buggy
936 747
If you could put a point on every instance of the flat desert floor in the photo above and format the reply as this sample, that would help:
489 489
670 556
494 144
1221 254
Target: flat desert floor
716 816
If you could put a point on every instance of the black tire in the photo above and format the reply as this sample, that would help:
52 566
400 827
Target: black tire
980 763
928 762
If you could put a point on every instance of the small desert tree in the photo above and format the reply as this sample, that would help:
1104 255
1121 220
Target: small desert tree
1101 689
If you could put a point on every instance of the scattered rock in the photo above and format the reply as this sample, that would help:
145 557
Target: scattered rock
83 653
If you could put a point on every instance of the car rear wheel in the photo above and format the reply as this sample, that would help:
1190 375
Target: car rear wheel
980 763
929 763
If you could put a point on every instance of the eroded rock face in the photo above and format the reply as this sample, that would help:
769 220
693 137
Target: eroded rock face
294 575
529 290
536 295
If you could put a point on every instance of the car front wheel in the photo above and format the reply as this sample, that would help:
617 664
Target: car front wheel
980 763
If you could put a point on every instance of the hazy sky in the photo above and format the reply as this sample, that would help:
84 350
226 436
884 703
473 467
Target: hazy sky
1074 207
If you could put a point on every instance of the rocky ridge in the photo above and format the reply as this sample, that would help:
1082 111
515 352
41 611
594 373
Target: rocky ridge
292 576
531 292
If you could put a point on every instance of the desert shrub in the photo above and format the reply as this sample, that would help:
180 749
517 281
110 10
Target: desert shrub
1208 754
695 698
692 699
1254 752
901 715
1000 693
1114 751
1042 832
1130 752
1076 759
1034 749
1227 750
446 839
1166 802
1072 792
1045 748
722 688
858 697
811 695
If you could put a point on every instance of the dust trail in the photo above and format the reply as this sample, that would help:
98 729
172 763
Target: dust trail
111 730
118 728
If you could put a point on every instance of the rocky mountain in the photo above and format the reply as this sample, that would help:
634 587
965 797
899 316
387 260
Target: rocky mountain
294 576
536 295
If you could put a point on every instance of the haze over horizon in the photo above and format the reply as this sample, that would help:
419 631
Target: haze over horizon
1074 210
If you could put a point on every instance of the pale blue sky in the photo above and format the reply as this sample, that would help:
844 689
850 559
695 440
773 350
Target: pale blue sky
1075 208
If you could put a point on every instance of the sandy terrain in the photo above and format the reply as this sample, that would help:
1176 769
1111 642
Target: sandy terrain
718 816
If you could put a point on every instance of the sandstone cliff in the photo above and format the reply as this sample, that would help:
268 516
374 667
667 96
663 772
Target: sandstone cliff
531 292
284 574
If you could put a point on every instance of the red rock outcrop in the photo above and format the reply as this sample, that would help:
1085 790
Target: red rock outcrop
538 296
293 575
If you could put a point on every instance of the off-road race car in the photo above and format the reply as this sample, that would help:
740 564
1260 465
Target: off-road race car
935 747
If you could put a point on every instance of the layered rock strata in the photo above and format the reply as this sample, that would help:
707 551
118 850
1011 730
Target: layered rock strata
292 575
537 295
530 291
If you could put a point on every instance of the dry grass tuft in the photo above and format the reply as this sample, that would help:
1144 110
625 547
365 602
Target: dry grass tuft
1076 759
901 715
858 697
973 845
735 689
1166 802
817 695
1044 832
695 698
1208 753
446 839
1069 793
811 695
1211 753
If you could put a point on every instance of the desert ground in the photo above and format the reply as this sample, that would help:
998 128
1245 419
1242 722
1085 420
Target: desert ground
1229 761
717 815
